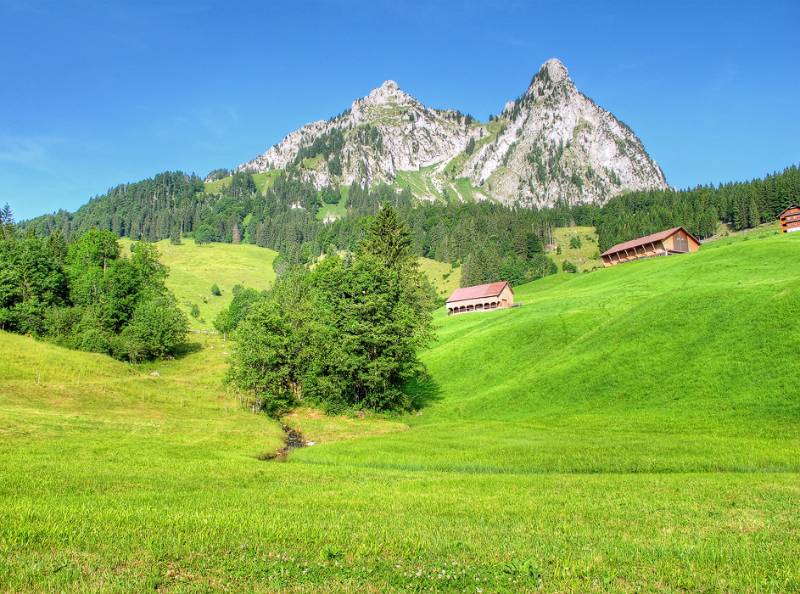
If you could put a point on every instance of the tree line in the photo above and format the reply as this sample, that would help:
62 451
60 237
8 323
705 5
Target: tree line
489 240
740 205
87 296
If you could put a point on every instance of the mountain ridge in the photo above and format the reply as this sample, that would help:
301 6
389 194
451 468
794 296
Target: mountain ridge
552 143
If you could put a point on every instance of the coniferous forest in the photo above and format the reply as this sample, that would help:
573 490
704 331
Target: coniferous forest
490 240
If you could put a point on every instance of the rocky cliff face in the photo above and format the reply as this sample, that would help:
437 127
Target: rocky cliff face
552 143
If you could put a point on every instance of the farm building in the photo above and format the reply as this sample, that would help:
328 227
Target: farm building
790 219
672 241
481 298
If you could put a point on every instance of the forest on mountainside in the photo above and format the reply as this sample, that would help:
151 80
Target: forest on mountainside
491 240
741 205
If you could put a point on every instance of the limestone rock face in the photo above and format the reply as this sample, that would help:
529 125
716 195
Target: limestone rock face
553 143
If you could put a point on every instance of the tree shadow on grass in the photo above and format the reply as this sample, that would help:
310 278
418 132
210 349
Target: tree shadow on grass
422 391
186 349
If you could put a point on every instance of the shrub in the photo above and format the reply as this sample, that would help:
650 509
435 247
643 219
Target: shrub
568 266
215 290
195 311
157 328
575 242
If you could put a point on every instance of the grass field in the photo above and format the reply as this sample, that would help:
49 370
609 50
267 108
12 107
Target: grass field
444 277
338 210
262 180
194 268
419 183
636 429
585 257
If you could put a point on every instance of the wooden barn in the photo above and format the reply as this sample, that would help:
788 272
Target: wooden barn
790 219
672 241
480 298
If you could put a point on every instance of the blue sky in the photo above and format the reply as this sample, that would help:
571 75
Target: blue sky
93 94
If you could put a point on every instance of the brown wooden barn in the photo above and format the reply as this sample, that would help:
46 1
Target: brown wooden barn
481 298
790 219
672 241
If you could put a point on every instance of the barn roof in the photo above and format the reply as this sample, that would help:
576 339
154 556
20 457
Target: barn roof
478 291
788 208
660 236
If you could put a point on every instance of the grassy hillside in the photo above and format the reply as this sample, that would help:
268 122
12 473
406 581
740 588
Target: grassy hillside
337 210
586 256
443 276
194 268
263 181
633 429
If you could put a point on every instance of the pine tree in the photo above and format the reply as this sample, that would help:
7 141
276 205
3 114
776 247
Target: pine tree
388 239
6 223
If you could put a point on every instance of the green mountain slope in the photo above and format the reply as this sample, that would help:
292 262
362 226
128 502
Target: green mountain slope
632 429
686 363
194 268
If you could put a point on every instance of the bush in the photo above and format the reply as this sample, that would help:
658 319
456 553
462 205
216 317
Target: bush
87 296
195 311
229 319
215 290
158 327
575 242
92 340
568 266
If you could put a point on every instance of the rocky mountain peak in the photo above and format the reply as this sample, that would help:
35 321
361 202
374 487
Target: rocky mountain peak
556 71
388 93
551 75
552 143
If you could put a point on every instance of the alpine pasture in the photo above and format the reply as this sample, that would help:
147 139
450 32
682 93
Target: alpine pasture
634 429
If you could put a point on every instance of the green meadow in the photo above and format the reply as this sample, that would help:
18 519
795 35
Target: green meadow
263 181
194 268
444 277
635 429
586 256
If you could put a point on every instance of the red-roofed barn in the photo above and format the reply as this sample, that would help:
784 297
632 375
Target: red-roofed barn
481 298
672 241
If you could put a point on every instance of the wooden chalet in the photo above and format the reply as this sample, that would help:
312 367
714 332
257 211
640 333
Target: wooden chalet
481 298
672 241
790 219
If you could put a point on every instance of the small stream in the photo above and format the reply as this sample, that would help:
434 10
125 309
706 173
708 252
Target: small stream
293 440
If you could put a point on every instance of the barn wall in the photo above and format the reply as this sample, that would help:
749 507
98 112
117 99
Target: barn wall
649 250
669 242
508 296
790 221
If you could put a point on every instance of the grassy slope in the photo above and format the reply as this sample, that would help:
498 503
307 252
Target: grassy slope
633 429
194 268
445 278
262 180
339 209
584 257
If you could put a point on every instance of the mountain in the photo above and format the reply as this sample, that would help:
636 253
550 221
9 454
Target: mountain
551 143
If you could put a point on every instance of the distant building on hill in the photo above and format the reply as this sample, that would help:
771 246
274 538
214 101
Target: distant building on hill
790 219
672 241
481 298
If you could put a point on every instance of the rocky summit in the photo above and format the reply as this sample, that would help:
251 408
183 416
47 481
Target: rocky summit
552 143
